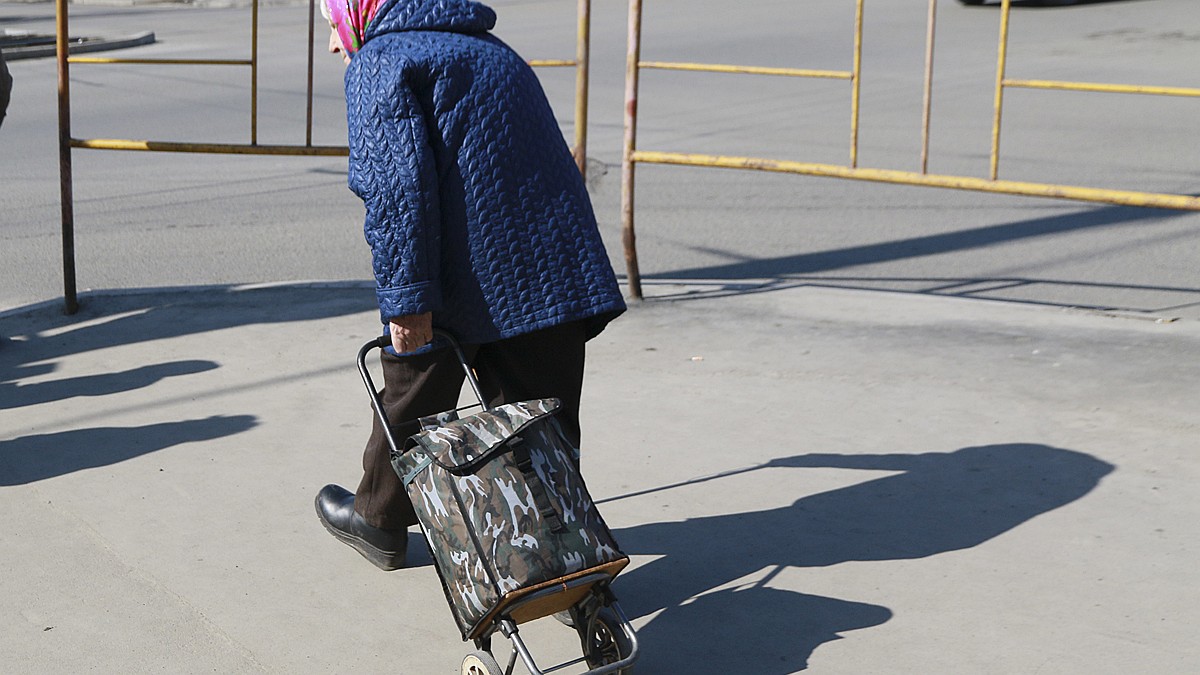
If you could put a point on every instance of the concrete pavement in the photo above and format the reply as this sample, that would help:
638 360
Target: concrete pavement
806 477
814 472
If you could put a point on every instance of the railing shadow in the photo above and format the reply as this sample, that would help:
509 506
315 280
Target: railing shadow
15 395
759 275
34 340
40 456
921 246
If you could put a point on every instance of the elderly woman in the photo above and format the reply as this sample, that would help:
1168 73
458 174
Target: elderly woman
478 222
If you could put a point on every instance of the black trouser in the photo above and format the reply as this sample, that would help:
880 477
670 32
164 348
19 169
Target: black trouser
543 364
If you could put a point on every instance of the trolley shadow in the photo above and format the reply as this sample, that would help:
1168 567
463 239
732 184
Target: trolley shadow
941 502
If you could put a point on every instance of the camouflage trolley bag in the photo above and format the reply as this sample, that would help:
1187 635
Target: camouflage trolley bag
513 533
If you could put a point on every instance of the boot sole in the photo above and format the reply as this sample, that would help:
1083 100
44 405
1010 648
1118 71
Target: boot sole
387 561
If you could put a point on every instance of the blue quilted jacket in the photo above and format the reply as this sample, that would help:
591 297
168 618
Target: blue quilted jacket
474 208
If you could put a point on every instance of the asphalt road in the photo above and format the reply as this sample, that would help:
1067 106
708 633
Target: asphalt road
146 220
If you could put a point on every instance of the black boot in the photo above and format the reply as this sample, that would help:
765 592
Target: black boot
386 549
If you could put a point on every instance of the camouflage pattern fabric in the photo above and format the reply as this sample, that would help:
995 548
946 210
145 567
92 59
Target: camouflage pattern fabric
503 505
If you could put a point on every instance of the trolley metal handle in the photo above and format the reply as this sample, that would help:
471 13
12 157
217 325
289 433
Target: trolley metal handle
384 341
462 360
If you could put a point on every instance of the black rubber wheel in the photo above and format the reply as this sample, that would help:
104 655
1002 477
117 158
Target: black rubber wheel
480 662
605 642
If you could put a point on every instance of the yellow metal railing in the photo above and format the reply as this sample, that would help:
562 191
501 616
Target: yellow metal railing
1003 82
748 70
67 142
631 155
211 148
174 62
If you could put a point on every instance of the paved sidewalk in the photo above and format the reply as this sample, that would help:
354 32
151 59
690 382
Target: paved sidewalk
806 477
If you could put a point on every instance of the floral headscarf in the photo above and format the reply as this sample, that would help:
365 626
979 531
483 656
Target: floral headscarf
351 18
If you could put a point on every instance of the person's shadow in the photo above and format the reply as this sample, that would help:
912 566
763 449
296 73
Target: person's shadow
940 502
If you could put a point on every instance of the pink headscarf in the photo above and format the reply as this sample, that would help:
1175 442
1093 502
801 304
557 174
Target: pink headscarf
351 18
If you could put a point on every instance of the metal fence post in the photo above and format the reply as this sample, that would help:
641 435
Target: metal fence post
632 59
856 82
62 43
1000 69
583 42
927 107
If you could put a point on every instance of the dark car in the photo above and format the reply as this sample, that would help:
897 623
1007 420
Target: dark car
1036 3
5 87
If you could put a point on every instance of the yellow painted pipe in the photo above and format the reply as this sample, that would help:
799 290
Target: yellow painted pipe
746 70
1103 88
583 48
551 63
210 148
994 168
173 62
927 102
855 94
1119 197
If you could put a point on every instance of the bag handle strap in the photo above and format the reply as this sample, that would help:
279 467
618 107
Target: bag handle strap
520 453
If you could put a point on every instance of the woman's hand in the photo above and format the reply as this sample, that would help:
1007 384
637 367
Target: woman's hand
411 332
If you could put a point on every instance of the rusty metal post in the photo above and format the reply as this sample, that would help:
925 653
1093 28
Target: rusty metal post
308 119
928 102
62 43
632 58
254 74
583 45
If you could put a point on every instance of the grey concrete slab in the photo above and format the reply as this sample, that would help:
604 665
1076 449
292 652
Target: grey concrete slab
806 478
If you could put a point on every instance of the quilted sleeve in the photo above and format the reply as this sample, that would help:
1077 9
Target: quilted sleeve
392 169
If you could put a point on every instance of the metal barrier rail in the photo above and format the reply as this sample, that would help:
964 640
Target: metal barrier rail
631 155
66 142
1002 82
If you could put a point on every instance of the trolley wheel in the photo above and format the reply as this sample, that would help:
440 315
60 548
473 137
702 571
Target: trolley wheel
605 642
480 662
